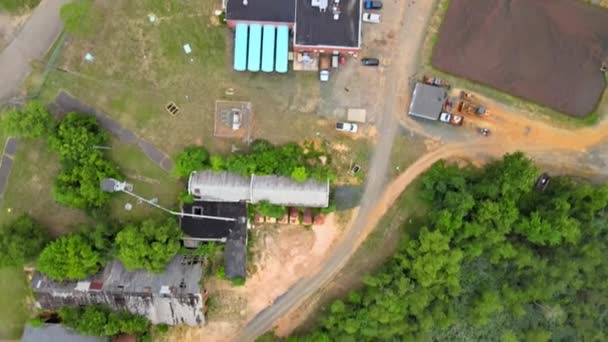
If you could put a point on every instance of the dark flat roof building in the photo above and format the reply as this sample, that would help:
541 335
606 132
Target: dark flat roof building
318 25
270 11
316 28
233 233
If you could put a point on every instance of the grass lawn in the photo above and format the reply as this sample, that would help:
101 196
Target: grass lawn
406 216
30 187
16 6
139 67
149 181
13 312
536 109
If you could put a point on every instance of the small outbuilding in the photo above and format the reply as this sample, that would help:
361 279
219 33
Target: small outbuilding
427 101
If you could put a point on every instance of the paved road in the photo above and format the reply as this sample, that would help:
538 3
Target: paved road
64 103
409 40
31 43
6 163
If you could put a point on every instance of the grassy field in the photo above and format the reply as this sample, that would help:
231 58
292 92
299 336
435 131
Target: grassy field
16 6
149 181
29 190
406 216
13 312
140 66
526 106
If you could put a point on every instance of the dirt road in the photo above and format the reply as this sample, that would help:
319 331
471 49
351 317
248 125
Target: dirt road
32 42
409 37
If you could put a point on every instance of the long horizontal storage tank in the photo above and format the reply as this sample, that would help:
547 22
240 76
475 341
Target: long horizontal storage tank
282 49
255 47
240 47
268 41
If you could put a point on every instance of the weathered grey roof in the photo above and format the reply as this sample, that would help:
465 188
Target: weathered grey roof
427 101
286 191
218 187
177 275
171 297
226 187
56 333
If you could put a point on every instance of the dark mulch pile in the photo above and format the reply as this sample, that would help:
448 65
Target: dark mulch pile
547 51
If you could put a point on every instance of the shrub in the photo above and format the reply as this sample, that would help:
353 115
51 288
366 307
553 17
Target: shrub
237 281
70 257
191 159
266 208
31 121
21 241
99 320
35 322
148 245
162 328
220 273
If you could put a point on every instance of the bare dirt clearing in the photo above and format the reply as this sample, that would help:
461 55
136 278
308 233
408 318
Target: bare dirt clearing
282 256
548 51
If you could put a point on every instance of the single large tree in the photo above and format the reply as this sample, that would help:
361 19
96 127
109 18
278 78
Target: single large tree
21 241
150 244
70 257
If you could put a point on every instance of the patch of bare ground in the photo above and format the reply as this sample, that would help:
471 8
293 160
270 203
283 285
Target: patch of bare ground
281 255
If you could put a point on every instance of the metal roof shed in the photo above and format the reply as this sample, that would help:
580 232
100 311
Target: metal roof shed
286 191
427 101
218 187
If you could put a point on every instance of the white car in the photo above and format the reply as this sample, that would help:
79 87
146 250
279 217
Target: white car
346 127
373 18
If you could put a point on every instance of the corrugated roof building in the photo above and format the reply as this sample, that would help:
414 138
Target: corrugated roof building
172 297
427 101
279 190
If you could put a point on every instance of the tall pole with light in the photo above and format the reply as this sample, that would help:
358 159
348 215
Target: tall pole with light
114 185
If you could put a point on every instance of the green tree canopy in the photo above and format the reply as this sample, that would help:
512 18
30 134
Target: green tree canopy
191 159
31 121
150 244
77 139
70 257
21 241
497 260
97 320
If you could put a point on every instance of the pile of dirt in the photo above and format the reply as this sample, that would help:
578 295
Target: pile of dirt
547 51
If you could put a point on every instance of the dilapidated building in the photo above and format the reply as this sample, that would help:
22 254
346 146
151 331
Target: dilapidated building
172 297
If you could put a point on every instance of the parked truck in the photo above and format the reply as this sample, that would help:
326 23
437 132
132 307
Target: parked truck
451 119
324 63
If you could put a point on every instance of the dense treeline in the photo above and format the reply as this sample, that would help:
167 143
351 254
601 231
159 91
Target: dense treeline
498 260
289 160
